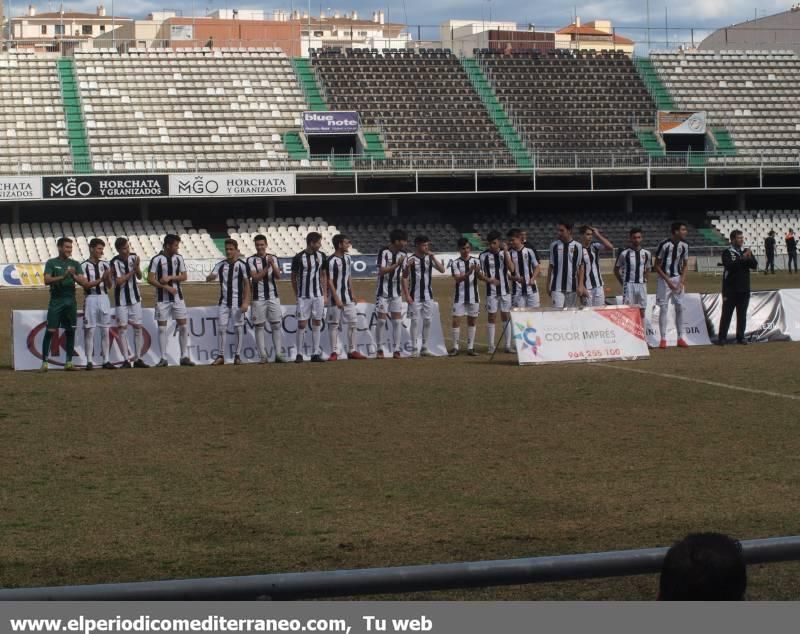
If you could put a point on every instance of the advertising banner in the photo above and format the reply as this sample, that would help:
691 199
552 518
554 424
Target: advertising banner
106 186
695 330
22 274
232 184
328 122
765 317
20 188
670 122
592 334
28 327
790 300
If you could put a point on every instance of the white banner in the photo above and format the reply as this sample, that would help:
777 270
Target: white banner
589 334
232 184
20 188
790 298
695 330
28 327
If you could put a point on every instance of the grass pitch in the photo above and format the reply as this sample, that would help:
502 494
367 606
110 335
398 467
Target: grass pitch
187 472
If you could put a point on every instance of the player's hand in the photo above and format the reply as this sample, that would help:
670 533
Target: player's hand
400 260
70 271
171 291
245 308
583 292
165 280
339 304
494 282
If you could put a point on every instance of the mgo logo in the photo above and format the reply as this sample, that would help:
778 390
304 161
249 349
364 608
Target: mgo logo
198 185
71 188
58 345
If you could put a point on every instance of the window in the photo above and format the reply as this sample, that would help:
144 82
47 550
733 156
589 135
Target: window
102 28
44 29
86 29
59 29
362 33
318 33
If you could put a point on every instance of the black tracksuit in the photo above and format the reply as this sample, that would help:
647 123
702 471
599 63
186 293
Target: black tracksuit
769 248
735 290
791 251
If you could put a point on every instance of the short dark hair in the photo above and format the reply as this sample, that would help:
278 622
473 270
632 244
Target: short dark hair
493 235
96 242
120 242
232 242
171 238
338 239
565 223
421 239
61 241
397 234
260 237
704 567
462 242
675 226
735 234
313 237
584 228
634 230
514 233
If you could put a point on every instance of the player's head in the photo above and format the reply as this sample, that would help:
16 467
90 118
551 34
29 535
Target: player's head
586 233
260 241
636 237
231 249
771 234
64 247
464 247
171 244
493 241
679 230
564 230
703 567
737 238
422 244
398 239
314 241
341 243
96 248
122 246
516 238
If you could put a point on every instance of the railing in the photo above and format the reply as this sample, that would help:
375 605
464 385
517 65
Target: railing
345 583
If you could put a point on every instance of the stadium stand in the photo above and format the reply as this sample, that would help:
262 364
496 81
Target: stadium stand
756 224
33 135
190 108
36 242
285 236
571 101
422 100
754 94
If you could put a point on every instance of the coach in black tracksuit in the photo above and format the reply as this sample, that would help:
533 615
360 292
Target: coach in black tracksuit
738 263
769 250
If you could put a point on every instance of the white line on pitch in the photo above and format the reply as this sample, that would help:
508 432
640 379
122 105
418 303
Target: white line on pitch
689 379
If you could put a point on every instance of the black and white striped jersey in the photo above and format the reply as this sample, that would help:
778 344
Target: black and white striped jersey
307 269
265 288
94 271
340 268
525 262
494 266
420 272
162 265
565 260
126 294
466 290
672 256
232 279
389 284
591 266
633 265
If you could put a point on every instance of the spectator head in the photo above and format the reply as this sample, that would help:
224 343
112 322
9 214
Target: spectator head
704 567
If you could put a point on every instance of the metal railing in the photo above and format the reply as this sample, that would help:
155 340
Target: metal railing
347 583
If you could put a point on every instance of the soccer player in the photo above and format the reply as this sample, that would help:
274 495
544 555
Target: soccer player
166 272
389 297
671 263
62 311
234 298
96 307
342 305
497 266
632 270
565 271
418 291
265 304
310 283
126 269
466 271
524 293
592 280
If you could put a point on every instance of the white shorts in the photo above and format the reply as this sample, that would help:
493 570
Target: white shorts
386 305
132 314
97 311
313 308
564 300
230 314
422 309
262 310
635 294
596 297
171 310
348 311
528 300
503 302
470 310
664 295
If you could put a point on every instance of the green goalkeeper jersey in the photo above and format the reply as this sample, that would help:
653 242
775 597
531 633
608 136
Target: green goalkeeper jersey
65 289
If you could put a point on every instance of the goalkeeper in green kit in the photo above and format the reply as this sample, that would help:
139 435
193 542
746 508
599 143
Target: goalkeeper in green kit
61 274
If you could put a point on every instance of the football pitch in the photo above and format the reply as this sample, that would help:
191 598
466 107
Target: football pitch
217 471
